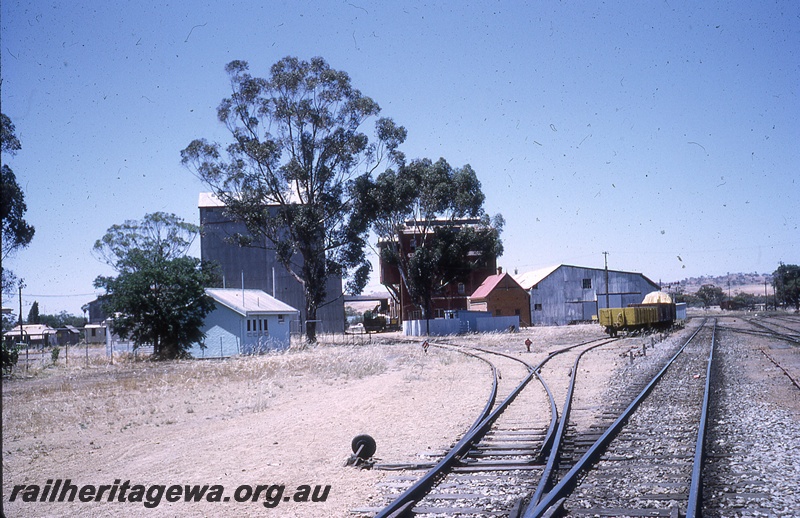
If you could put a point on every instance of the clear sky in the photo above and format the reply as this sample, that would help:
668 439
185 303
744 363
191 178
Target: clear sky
665 133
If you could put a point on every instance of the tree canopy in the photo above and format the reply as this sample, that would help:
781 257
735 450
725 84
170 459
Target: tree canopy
17 233
786 281
161 235
710 295
61 319
158 297
442 207
33 313
298 143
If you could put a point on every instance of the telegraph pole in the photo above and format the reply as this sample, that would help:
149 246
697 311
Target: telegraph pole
605 257
22 285
765 295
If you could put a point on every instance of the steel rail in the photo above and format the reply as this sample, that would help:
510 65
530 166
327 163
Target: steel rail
403 504
406 500
753 332
777 334
562 427
771 321
794 381
566 484
487 410
492 394
551 429
693 508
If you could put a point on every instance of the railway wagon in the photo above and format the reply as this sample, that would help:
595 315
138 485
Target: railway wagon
656 312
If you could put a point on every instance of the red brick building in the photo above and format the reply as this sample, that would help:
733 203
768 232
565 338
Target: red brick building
451 296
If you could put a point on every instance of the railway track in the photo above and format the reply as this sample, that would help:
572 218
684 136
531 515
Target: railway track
788 321
778 327
752 467
642 452
648 461
766 328
487 478
501 458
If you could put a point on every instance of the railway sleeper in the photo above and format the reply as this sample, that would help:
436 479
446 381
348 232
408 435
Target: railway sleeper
671 512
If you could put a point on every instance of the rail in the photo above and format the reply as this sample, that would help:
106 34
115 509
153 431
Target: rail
695 488
562 427
403 504
565 485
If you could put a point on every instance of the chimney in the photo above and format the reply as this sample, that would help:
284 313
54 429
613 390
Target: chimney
499 270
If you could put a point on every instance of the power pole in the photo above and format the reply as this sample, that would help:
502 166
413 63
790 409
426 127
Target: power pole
22 285
605 257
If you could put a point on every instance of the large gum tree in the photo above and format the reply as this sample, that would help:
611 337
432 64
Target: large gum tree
442 207
17 233
298 143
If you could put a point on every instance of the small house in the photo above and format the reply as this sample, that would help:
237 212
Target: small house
68 335
244 322
35 335
94 333
502 296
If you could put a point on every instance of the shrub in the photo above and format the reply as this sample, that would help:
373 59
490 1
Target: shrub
10 357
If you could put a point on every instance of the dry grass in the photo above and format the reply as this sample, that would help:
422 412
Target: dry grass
134 392
286 416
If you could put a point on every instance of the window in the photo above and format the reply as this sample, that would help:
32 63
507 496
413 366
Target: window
517 312
94 332
537 307
587 284
280 319
248 325
497 312
265 325
461 288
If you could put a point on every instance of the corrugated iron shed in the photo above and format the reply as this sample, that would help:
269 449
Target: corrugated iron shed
530 279
565 294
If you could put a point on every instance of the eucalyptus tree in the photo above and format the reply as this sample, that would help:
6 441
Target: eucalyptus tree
161 235
442 208
786 282
297 144
16 232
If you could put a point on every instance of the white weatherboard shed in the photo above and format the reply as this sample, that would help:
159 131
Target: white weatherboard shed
244 322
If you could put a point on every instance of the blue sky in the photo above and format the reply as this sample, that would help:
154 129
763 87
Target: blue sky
664 132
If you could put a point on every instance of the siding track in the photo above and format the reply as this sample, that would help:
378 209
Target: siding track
501 458
646 463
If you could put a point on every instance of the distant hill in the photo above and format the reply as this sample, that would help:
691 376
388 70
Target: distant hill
738 282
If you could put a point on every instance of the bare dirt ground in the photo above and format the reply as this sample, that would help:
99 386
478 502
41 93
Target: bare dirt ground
281 419
285 419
